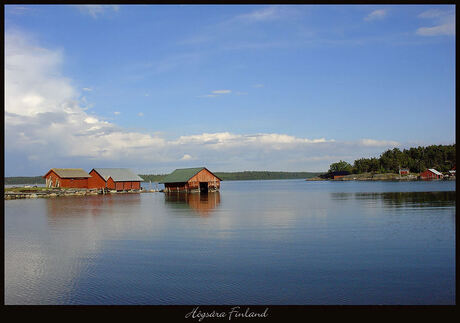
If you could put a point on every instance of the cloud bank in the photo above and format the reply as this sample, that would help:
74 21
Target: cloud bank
444 23
46 126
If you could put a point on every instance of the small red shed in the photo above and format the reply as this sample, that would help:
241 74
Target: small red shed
120 179
431 173
67 178
403 171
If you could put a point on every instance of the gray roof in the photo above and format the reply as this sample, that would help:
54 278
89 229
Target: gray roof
434 171
69 173
118 174
182 175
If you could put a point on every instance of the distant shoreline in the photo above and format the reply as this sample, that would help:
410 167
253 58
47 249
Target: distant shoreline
225 176
376 177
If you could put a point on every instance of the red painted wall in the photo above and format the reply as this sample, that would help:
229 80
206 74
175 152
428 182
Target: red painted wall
67 182
110 184
204 176
96 181
429 175
173 187
194 182
124 186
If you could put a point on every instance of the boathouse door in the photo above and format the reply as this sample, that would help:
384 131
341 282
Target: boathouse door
203 187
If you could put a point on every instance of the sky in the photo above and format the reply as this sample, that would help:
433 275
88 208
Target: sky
230 87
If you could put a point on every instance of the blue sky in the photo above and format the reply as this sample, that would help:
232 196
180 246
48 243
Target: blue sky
230 87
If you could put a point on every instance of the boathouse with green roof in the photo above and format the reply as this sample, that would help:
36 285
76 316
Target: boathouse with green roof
198 179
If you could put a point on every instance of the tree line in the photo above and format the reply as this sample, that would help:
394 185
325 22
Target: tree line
417 160
246 175
24 180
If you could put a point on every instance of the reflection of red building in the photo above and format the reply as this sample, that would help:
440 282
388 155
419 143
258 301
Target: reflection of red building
67 178
120 179
431 174
203 204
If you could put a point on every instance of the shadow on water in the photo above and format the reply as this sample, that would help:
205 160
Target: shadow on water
202 203
403 199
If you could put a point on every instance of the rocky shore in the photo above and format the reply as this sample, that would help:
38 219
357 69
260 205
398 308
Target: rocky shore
12 193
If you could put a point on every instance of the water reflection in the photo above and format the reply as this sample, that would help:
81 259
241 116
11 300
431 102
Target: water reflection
88 205
402 199
297 244
202 204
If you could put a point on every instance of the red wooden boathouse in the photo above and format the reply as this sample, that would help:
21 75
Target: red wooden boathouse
191 180
431 173
120 179
67 178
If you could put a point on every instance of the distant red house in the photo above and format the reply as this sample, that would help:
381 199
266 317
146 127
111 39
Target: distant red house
431 173
67 178
120 179
403 171
338 174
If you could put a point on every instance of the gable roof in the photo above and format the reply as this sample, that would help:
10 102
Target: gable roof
69 173
118 174
182 175
434 171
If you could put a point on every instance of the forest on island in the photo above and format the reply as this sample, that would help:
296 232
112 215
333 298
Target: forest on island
439 157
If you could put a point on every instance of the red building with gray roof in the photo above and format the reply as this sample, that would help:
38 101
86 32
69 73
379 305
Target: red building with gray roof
120 179
67 178
431 173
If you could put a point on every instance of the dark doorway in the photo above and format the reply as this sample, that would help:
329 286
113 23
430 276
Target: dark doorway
203 187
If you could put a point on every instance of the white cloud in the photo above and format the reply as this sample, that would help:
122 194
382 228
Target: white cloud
376 15
227 139
215 93
379 143
221 91
87 89
44 119
140 114
444 23
432 13
18 10
96 10
268 13
41 104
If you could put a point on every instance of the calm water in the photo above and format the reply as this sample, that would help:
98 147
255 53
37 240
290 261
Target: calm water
255 242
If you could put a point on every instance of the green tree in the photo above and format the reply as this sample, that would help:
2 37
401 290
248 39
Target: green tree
340 166
362 165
